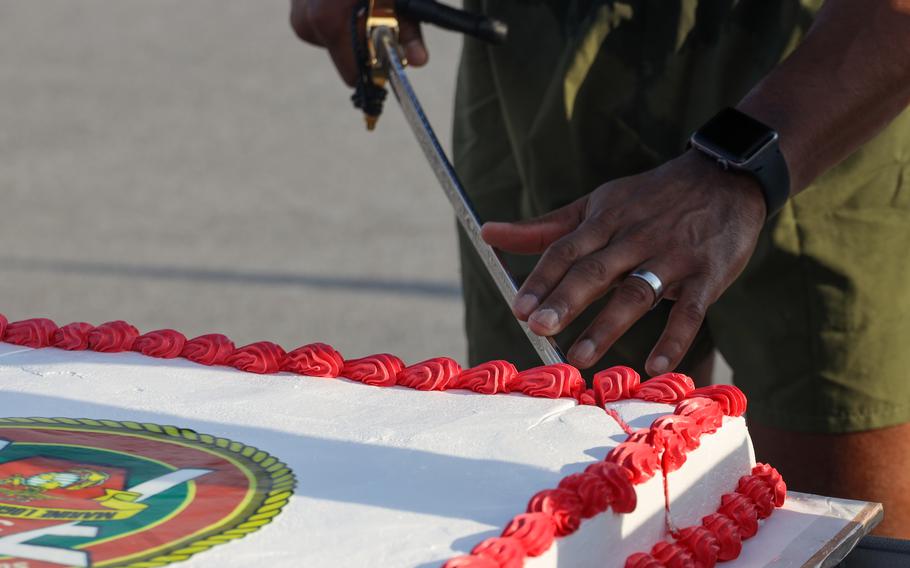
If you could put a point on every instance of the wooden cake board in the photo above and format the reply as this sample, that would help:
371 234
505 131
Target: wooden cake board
809 531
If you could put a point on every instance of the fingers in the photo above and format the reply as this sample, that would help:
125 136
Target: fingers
301 23
631 300
535 235
342 51
685 320
411 37
328 24
586 280
556 261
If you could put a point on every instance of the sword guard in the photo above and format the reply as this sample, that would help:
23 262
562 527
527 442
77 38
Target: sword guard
370 15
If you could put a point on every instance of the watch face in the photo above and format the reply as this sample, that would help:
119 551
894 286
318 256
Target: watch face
733 135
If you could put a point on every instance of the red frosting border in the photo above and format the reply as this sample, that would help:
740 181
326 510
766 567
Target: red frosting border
551 513
608 484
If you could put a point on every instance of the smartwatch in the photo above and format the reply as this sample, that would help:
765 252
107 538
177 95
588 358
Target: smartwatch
739 142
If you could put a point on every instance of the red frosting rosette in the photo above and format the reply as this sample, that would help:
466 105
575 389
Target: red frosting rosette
507 552
314 360
701 543
470 561
742 511
262 358
432 374
73 336
550 381
731 399
675 435
672 555
640 458
759 492
667 388
209 349
112 337
587 398
684 428
535 531
492 377
563 506
674 439
642 560
615 383
729 539
163 343
377 370
35 333
774 480
646 436
707 413
593 491
623 498
3 323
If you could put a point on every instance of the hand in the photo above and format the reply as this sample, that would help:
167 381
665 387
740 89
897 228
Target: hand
327 23
689 222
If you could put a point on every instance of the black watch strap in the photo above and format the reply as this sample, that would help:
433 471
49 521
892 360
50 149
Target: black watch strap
741 143
774 177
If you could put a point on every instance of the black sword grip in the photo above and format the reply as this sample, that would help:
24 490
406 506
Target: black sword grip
433 12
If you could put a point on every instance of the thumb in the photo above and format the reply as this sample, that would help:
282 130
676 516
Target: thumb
411 37
535 235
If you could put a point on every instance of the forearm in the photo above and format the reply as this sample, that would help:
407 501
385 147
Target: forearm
844 83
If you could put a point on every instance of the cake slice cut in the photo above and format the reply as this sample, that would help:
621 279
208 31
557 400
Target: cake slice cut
425 471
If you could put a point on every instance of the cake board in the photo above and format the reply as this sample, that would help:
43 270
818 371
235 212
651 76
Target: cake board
810 531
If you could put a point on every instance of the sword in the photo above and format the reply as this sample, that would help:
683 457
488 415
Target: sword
388 65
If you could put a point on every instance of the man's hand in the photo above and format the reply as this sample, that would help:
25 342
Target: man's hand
327 23
690 223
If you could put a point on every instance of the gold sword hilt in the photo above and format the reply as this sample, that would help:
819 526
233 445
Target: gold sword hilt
373 15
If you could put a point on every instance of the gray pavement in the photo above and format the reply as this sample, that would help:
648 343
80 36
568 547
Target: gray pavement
191 164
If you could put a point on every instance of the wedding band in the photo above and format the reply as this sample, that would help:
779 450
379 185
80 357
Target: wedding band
652 280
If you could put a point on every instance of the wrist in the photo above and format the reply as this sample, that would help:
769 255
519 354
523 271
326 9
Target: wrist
739 142
706 171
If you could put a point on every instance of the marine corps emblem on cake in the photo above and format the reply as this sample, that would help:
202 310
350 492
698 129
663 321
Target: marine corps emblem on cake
103 493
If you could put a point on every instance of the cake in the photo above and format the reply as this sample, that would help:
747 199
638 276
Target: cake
126 449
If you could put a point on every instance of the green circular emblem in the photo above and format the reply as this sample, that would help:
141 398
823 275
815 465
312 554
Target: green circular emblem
82 492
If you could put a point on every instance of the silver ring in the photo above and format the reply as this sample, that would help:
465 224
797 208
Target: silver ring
652 280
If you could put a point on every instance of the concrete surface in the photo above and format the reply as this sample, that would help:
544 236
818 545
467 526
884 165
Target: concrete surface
191 164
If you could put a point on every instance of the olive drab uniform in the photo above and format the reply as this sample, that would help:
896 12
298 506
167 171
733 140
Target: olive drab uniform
817 329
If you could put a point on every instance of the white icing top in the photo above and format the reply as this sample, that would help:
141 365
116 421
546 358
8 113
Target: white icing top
388 477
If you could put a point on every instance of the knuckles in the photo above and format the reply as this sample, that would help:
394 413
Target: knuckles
692 313
593 269
565 250
314 20
299 24
608 218
634 291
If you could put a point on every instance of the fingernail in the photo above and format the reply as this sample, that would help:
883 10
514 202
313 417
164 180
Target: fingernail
660 364
546 318
525 304
583 352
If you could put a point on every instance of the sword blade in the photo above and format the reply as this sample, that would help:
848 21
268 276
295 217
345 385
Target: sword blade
464 210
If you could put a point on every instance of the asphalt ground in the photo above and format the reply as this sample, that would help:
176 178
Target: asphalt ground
193 165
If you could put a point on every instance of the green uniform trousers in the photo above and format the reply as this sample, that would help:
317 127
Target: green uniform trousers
817 329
